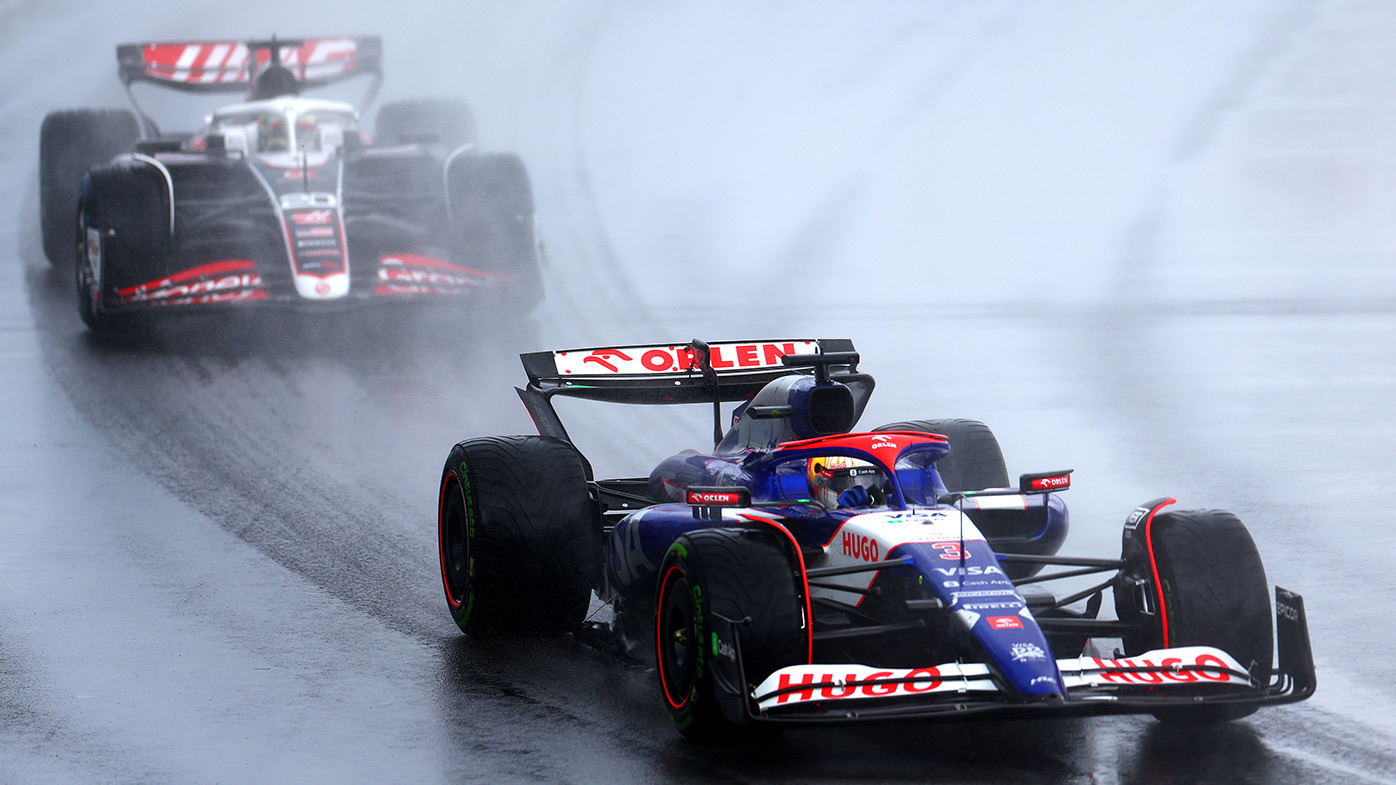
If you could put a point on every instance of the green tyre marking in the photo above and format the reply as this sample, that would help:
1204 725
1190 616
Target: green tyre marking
467 493
469 500
700 655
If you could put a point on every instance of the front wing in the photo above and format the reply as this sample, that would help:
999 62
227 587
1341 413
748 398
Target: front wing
1156 680
400 278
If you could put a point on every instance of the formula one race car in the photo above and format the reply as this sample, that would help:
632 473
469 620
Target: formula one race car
281 198
801 572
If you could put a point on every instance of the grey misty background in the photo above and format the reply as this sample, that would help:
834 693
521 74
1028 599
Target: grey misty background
1149 242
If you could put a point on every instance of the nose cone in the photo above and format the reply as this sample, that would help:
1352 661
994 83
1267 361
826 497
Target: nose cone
965 575
1017 646
328 287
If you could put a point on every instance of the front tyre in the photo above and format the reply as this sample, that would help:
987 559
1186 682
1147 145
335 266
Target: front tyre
714 583
122 237
517 535
1209 590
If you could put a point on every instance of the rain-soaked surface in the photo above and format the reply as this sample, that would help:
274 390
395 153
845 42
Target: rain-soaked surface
1151 244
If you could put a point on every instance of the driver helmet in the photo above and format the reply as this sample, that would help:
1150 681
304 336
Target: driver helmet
830 476
272 134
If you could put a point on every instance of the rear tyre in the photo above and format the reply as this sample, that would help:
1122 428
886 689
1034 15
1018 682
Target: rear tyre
975 461
519 543
491 207
1214 593
742 575
447 121
70 143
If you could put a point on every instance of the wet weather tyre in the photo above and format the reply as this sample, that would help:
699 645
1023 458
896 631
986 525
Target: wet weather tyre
1212 588
490 201
122 237
71 142
743 576
975 461
519 539
447 121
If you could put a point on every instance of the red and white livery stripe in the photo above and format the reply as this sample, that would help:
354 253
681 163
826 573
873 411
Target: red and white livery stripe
227 61
411 274
1161 669
221 281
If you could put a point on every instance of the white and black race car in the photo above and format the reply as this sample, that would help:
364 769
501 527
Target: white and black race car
282 198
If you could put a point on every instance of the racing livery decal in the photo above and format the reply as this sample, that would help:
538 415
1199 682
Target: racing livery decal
215 282
410 274
317 241
227 61
806 683
1162 668
673 359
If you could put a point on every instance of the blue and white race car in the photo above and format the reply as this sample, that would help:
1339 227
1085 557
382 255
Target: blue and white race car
803 572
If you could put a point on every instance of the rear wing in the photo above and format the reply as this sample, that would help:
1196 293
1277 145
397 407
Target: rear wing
228 66
696 372
231 66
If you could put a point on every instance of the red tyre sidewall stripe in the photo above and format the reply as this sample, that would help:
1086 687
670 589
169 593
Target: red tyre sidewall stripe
659 637
1153 565
441 537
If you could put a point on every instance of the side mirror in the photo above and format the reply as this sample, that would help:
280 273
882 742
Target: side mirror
831 409
1045 482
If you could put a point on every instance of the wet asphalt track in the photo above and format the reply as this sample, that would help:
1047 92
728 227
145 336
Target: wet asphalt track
219 560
